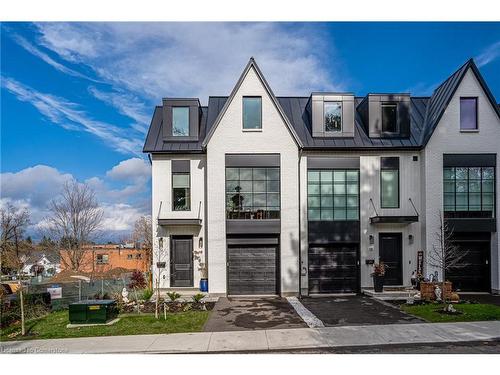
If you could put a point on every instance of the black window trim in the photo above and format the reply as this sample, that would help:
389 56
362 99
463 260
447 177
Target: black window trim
390 168
476 99
172 183
341 117
188 123
243 113
398 129
468 198
332 170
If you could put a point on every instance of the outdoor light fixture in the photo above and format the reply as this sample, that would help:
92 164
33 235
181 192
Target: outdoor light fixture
410 238
160 243
200 242
371 239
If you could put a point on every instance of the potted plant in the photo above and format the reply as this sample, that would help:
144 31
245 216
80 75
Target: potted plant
378 275
204 278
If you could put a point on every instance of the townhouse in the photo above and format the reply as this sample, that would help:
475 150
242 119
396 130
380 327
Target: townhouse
301 195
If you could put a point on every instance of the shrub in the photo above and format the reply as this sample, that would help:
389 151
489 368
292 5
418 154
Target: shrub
147 294
198 297
173 296
137 280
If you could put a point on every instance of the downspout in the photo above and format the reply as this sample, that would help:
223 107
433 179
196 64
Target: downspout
300 224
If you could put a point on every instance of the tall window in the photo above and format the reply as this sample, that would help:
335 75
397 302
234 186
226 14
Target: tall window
180 121
252 113
333 195
333 116
469 191
389 118
468 113
389 182
181 199
253 193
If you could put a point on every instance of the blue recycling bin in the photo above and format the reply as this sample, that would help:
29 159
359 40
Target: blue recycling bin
204 285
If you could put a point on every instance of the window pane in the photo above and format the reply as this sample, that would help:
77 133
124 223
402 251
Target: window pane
326 176
461 173
449 173
252 112
449 202
180 180
333 116
313 201
232 174
339 188
449 186
313 176
259 199
339 214
352 214
352 201
488 173
462 202
326 201
259 186
474 186
474 173
468 119
326 213
461 186
389 118
314 214
181 199
474 202
352 176
246 174
180 121
273 186
273 200
339 201
313 189
246 186
246 199
232 186
259 174
488 186
326 189
352 188
390 187
339 176
273 174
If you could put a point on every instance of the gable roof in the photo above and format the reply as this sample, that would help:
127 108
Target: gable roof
252 64
443 94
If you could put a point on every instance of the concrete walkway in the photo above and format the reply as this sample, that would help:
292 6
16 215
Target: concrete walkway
266 340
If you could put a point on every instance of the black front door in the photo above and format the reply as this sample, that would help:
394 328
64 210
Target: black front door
181 262
391 253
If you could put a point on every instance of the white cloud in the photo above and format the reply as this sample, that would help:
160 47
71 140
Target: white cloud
134 169
49 60
196 59
489 54
69 115
35 187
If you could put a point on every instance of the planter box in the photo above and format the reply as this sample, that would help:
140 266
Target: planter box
427 290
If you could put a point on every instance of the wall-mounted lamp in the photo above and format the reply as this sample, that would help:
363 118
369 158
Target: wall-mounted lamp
410 238
200 242
160 243
371 239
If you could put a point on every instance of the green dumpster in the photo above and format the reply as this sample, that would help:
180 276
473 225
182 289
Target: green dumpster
92 311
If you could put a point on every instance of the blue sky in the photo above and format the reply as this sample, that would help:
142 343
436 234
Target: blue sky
77 98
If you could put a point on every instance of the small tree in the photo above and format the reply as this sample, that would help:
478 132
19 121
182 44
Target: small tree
445 255
14 250
143 234
75 217
137 280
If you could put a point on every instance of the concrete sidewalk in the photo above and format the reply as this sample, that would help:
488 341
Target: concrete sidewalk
266 340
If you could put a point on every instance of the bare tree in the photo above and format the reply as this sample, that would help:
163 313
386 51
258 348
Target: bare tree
143 233
445 255
75 218
14 251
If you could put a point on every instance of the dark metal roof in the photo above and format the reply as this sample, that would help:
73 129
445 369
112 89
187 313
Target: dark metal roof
425 114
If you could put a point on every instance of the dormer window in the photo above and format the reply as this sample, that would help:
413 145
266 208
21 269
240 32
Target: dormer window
252 113
333 117
468 114
180 121
389 118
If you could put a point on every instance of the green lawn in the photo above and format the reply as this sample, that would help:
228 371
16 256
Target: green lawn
471 312
53 326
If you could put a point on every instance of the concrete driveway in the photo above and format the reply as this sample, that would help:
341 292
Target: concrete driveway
238 314
355 310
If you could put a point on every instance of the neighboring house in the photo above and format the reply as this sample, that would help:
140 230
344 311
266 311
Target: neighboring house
301 195
102 258
42 264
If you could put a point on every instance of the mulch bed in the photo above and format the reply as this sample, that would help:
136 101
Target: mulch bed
172 307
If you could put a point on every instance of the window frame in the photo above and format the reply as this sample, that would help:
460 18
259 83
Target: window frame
325 103
465 214
333 195
386 132
251 212
476 100
101 260
188 121
173 191
398 181
243 113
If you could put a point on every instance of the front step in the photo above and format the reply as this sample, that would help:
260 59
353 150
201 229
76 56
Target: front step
391 294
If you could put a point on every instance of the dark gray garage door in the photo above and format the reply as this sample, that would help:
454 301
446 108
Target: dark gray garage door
474 276
333 268
252 270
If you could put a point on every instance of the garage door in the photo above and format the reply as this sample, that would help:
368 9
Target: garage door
474 276
252 270
333 269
